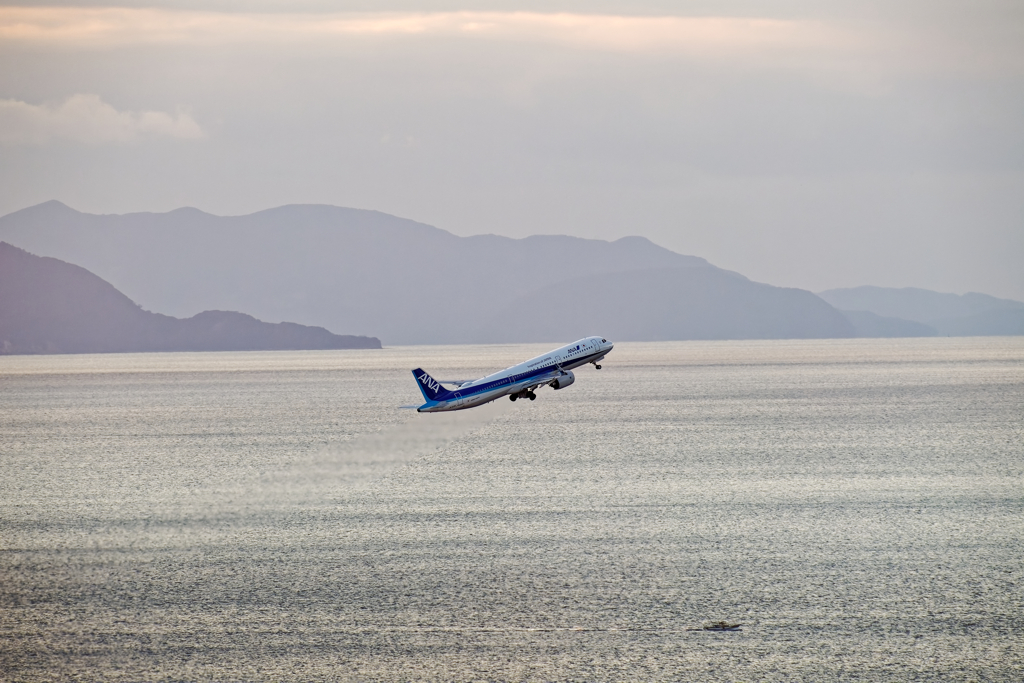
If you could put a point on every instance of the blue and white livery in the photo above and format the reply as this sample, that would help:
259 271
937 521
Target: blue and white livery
553 368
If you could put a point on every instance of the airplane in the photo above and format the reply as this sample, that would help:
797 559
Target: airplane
553 368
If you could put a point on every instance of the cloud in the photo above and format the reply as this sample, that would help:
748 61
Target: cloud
108 25
864 48
89 120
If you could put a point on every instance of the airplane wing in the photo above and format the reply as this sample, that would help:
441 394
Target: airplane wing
534 382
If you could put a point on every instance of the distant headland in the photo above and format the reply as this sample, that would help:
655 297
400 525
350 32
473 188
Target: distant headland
49 306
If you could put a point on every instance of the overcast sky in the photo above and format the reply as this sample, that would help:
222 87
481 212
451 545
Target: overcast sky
805 144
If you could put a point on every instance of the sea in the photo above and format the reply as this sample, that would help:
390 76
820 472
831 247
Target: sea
856 505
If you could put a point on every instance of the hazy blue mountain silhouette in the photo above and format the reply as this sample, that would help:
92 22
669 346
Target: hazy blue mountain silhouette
666 304
867 324
971 314
406 282
362 271
49 306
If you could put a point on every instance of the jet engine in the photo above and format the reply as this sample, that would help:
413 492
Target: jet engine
563 381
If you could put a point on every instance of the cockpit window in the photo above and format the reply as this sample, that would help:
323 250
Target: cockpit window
604 341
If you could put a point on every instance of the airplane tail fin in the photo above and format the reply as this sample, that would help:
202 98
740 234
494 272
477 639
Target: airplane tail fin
429 386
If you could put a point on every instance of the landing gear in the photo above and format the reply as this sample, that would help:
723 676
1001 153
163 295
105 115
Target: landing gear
532 396
513 397
523 394
597 366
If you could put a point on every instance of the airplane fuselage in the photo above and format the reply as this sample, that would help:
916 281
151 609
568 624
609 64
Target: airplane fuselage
553 368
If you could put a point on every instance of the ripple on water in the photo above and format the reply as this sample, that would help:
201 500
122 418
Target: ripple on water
857 504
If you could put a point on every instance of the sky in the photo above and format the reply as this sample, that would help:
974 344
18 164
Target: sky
803 144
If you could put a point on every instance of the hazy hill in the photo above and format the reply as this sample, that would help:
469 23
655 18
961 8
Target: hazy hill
362 271
665 304
969 314
412 283
868 324
49 306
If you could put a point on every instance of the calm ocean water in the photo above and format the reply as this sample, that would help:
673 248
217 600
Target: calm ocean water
858 505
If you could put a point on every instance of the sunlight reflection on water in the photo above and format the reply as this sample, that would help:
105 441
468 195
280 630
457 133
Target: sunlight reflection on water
857 504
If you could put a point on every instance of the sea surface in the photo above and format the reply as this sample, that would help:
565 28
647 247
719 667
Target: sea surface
858 505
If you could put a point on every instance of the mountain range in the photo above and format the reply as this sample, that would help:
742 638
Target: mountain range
932 313
405 282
